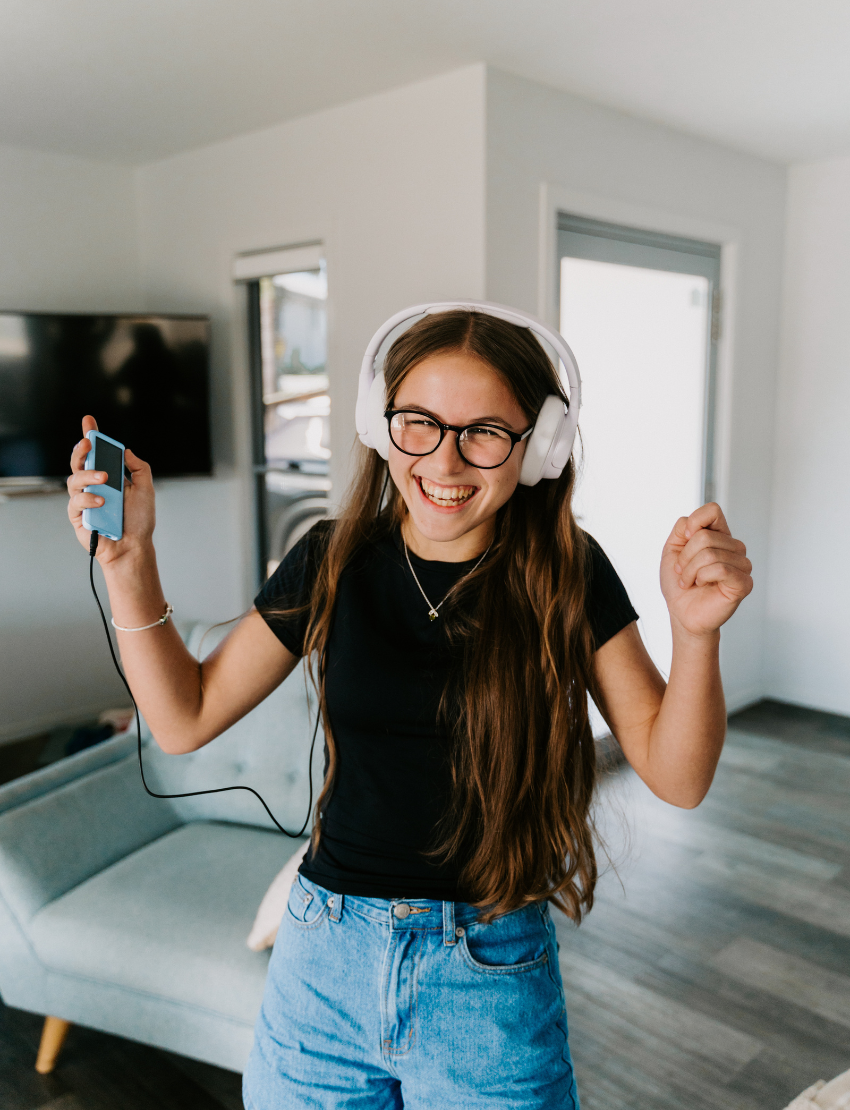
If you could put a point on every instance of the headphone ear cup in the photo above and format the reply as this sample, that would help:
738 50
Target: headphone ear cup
543 442
378 432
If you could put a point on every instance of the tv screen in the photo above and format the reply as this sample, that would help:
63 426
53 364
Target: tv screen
143 378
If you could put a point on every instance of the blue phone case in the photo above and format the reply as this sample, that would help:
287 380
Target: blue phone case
108 518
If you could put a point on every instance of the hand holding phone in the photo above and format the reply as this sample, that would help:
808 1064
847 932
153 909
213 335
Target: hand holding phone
91 486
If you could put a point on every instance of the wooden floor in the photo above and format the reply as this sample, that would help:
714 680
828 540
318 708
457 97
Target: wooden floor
713 973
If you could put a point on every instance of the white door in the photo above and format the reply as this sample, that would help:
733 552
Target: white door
641 336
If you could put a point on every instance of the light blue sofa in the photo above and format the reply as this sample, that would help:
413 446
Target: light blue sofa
130 914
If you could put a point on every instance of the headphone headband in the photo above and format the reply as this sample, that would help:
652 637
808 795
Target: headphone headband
569 375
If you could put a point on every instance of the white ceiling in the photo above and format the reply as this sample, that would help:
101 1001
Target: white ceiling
135 80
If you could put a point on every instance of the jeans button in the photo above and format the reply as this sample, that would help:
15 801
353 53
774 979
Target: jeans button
402 910
459 932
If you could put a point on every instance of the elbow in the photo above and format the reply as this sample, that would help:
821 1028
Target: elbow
689 802
181 743
171 745
687 798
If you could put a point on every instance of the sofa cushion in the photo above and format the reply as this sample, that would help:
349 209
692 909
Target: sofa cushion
171 919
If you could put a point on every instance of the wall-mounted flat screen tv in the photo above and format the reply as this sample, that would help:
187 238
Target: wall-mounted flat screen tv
145 379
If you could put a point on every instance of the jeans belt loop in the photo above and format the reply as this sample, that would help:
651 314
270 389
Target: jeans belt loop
449 935
336 902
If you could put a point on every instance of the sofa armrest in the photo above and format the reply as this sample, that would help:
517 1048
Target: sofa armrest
23 978
57 839
36 783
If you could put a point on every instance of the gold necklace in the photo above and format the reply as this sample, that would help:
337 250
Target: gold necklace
433 609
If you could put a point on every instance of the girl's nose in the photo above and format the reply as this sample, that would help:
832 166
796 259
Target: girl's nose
447 456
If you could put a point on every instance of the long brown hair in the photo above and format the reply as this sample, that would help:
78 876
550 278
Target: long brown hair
523 758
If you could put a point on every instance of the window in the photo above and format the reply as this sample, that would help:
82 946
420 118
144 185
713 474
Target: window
291 440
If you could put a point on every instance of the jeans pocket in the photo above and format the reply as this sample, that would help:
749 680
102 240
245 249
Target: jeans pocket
307 903
513 943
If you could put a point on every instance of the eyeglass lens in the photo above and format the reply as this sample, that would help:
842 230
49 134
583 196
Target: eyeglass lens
416 434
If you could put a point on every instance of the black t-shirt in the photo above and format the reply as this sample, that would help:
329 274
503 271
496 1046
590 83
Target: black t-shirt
387 666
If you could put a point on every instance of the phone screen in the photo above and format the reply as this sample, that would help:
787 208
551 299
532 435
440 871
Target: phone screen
108 457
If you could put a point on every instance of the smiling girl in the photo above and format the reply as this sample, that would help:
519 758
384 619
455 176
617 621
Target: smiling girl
457 622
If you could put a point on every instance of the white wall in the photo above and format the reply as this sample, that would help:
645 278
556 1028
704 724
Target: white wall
67 243
537 135
394 186
429 191
808 643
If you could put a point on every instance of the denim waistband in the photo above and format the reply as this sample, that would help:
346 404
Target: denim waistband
409 913
397 914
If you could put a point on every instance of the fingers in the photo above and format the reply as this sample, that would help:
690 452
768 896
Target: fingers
732 581
79 499
708 517
703 552
82 478
677 537
133 462
78 455
140 471
706 540
693 572
82 501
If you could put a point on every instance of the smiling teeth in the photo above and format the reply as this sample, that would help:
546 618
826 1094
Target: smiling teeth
446 495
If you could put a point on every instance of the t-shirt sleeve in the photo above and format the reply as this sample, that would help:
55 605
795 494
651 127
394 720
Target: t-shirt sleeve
608 607
291 587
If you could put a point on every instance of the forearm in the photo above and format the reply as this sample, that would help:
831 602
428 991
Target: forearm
163 675
673 733
687 735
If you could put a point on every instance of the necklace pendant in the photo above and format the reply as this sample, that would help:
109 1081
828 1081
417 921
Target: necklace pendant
432 614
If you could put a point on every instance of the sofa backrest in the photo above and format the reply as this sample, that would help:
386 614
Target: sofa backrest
57 839
267 750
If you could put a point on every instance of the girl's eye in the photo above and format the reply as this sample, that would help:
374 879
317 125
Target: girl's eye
486 433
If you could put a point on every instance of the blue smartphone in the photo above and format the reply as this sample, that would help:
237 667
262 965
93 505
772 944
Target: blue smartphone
107 519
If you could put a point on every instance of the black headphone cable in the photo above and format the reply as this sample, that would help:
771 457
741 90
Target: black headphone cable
191 793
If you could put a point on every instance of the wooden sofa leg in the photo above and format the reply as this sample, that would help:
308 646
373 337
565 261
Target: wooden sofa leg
52 1038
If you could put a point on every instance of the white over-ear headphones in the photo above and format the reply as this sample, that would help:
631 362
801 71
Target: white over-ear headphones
549 445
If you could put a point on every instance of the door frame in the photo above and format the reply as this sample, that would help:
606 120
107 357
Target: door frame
556 198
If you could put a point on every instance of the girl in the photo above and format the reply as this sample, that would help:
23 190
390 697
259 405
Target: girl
456 627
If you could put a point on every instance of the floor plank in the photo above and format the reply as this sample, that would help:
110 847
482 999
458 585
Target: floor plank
761 868
788 977
725 1048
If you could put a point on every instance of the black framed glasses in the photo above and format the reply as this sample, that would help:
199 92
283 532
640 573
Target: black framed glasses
485 446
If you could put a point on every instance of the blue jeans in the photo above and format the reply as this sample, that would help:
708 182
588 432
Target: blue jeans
379 1005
